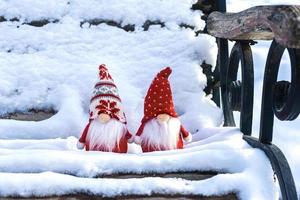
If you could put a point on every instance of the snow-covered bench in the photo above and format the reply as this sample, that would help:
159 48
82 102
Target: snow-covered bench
218 164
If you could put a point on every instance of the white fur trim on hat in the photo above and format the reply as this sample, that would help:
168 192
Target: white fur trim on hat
189 138
137 139
80 145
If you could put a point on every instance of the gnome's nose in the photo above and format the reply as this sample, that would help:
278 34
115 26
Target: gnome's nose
104 118
163 117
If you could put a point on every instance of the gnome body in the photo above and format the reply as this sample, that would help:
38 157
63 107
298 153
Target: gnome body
160 127
106 130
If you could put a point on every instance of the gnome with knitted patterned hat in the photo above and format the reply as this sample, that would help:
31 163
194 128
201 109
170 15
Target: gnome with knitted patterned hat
160 127
106 130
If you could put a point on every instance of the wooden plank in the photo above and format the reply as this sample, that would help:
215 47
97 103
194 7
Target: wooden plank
95 22
195 176
134 197
31 115
281 22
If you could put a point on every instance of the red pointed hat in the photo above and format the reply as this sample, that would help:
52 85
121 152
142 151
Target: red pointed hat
106 98
159 98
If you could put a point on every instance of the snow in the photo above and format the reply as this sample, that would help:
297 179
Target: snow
55 66
169 161
49 183
68 121
65 60
28 163
237 6
124 12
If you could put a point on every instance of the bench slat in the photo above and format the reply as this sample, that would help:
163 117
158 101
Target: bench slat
133 197
195 176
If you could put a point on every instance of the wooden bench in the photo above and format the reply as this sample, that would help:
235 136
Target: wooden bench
278 23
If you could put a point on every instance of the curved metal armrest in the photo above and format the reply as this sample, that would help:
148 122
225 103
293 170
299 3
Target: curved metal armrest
280 22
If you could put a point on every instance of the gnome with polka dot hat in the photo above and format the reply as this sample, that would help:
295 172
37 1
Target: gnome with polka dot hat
106 130
160 127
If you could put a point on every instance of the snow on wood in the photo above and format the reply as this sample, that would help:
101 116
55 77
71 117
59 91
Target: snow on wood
55 67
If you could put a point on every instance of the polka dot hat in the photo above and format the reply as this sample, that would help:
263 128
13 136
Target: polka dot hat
159 98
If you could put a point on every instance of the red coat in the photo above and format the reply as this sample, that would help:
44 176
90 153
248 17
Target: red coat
148 148
122 148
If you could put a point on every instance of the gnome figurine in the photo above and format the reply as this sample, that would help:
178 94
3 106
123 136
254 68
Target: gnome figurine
160 127
106 130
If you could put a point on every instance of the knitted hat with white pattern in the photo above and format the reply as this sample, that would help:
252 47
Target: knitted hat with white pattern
106 98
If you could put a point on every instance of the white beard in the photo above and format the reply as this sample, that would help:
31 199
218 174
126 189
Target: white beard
163 135
106 136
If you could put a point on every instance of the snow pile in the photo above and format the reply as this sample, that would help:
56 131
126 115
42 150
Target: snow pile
50 183
125 12
75 163
58 67
224 152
